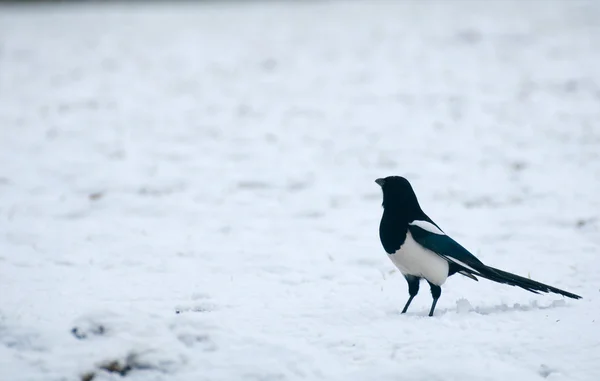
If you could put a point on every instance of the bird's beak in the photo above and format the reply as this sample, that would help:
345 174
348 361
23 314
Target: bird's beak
380 182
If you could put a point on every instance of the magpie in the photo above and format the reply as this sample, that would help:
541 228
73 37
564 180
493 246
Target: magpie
421 250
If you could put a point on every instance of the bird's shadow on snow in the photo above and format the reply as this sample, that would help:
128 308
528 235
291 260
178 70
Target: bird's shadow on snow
463 307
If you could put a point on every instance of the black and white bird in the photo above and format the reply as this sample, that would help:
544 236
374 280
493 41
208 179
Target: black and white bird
421 250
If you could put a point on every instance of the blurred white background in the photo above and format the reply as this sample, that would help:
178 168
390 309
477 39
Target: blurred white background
218 158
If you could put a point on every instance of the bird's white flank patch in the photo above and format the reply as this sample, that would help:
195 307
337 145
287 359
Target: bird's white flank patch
414 259
427 226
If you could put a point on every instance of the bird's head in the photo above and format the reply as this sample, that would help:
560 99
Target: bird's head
398 193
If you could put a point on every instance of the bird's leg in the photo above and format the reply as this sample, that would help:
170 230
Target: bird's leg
413 289
436 292
407 304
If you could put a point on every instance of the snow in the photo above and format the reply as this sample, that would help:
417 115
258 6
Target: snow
187 191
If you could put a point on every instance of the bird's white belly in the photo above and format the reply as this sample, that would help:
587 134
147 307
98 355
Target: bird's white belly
414 259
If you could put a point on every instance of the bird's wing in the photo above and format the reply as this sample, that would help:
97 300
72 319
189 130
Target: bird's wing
434 239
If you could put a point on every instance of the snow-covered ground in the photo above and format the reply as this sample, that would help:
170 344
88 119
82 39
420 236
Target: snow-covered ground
188 190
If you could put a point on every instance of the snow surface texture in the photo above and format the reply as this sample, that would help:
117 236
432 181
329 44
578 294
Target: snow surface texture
187 192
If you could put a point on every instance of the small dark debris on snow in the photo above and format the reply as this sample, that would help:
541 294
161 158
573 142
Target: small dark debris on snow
116 367
545 371
122 368
96 196
583 222
98 330
518 166
89 376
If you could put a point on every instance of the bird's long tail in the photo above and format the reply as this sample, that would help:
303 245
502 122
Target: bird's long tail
505 277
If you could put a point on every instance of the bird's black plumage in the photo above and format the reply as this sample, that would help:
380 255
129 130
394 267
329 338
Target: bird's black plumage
421 250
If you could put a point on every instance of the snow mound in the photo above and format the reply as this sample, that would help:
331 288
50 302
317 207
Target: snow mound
463 306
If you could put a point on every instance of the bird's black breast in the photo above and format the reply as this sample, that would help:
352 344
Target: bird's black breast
392 232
